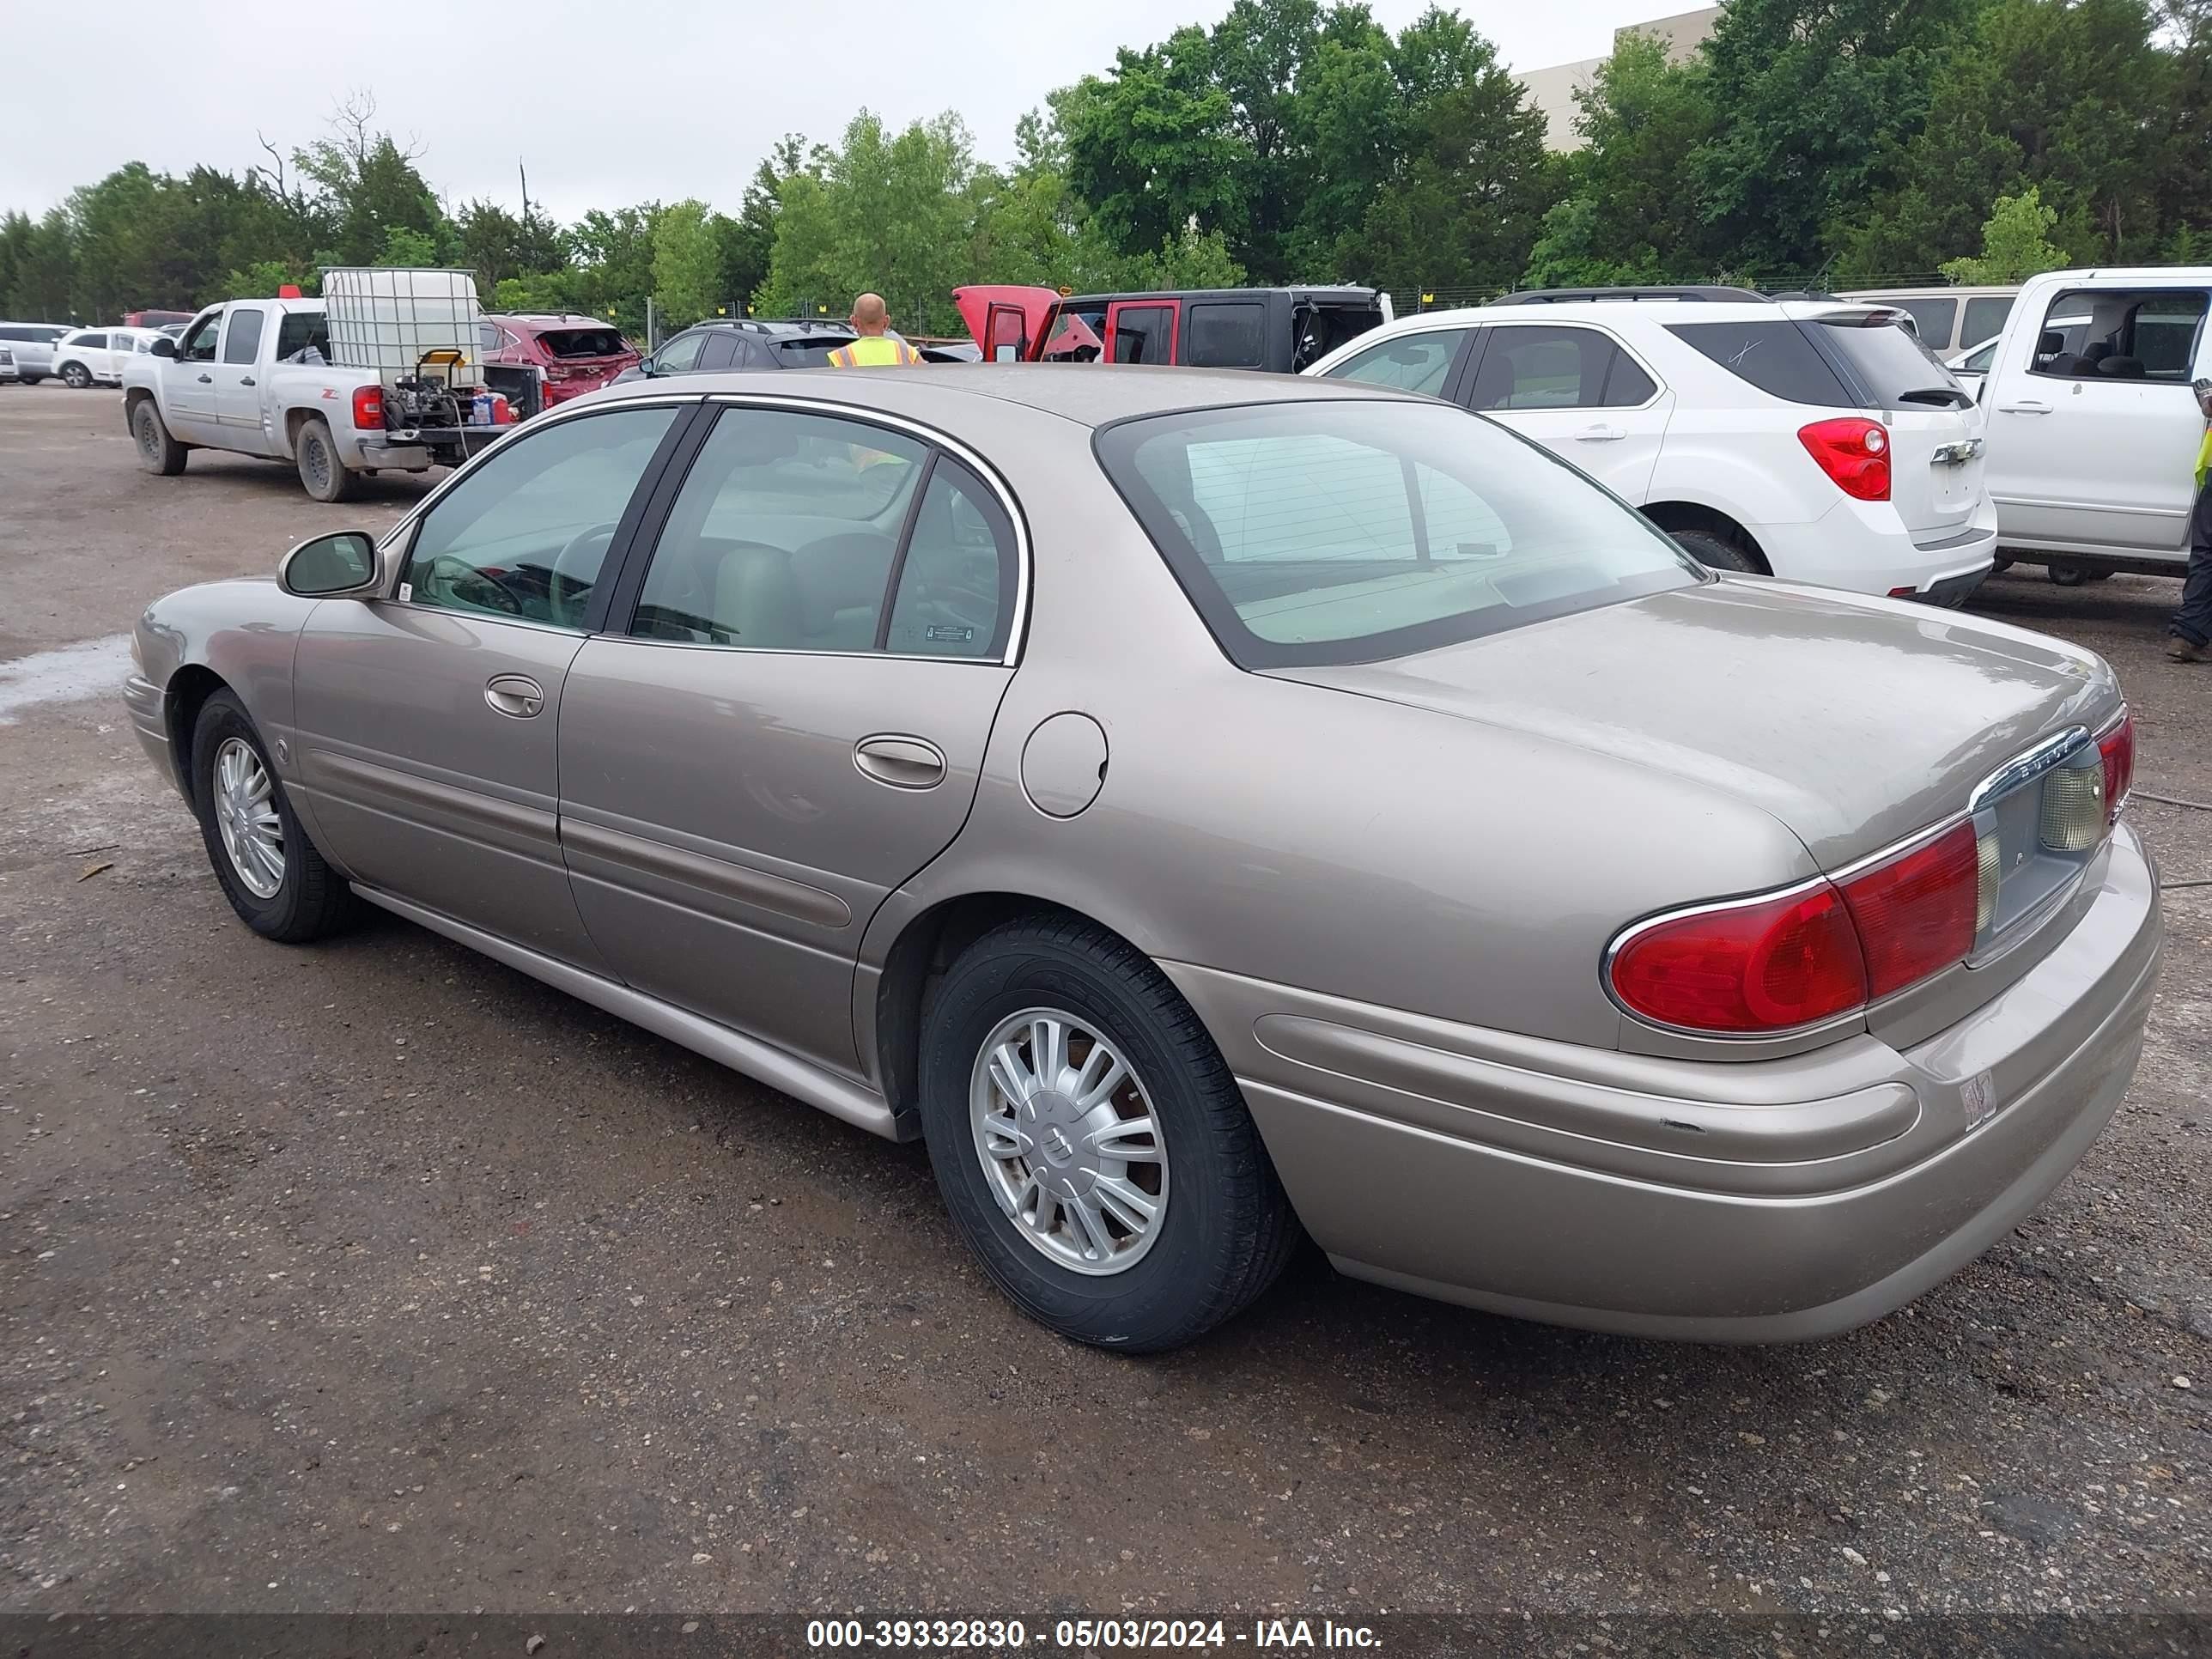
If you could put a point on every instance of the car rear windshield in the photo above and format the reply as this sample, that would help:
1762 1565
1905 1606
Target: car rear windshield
1350 531
1893 363
581 342
808 352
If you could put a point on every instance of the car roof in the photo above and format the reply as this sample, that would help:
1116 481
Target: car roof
1088 394
538 320
1603 311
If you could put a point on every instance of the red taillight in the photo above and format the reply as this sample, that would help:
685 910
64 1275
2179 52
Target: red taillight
1916 913
1853 452
557 372
2117 744
1762 965
1773 964
369 408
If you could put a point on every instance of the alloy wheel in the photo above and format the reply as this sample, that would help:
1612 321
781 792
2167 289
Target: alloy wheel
246 814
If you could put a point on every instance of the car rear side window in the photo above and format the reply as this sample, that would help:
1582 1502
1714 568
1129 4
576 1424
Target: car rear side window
1346 532
241 340
1143 334
1985 319
1769 353
1226 334
784 535
1934 318
1411 362
955 595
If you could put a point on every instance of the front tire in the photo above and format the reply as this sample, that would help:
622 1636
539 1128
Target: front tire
1090 1144
271 874
320 472
158 452
76 376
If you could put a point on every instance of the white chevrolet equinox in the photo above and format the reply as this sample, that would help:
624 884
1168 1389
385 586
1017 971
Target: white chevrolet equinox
1809 439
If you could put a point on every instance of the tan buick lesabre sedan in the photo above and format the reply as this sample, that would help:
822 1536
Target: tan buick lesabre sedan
1208 806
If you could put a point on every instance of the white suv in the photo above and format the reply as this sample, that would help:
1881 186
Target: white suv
95 356
1812 440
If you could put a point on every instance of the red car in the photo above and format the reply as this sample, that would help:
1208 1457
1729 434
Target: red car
572 355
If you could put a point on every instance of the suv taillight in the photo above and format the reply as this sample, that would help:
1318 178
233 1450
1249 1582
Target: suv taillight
1852 451
2116 747
369 408
1755 966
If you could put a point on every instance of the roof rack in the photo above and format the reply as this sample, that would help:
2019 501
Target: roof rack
1711 293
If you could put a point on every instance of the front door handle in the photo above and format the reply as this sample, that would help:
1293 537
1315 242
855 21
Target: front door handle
903 763
517 695
246 379
2025 406
1600 434
207 379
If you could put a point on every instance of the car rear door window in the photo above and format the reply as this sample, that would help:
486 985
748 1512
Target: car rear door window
523 535
298 332
1769 353
1550 366
719 351
242 339
1143 334
1226 334
91 342
956 587
784 535
1411 362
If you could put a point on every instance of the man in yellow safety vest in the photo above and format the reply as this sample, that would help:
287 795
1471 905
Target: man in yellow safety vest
875 349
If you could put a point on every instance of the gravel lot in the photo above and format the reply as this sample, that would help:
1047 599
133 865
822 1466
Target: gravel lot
376 1277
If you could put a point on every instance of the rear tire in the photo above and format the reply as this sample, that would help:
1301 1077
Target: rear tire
1715 551
76 376
158 452
321 475
1222 1228
305 898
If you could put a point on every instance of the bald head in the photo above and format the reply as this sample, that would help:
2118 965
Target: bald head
870 314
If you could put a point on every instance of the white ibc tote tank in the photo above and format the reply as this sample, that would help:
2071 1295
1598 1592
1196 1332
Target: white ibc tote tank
389 318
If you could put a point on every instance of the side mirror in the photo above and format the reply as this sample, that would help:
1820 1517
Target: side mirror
164 347
341 565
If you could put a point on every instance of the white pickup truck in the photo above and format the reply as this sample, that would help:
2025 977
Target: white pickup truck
255 377
2092 431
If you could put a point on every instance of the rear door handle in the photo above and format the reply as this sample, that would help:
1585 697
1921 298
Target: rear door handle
1600 434
902 761
246 379
207 379
516 695
2025 406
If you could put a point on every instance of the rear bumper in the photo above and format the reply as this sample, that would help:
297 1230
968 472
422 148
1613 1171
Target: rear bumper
1770 1201
1863 547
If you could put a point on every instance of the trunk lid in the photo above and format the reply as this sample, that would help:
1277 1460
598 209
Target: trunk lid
1935 454
1855 722
1935 470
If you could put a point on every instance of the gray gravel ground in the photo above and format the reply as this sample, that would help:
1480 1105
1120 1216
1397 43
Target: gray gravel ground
377 1277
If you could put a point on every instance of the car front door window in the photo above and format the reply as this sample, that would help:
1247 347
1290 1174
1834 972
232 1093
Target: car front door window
1413 362
198 343
680 355
524 535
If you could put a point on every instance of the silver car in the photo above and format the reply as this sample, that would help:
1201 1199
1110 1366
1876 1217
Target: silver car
1207 807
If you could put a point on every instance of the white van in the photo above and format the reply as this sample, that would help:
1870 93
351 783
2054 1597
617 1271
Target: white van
1948 320
2092 429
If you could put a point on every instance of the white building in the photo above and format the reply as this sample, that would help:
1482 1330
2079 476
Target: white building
1553 89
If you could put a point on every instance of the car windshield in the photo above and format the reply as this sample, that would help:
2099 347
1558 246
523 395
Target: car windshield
1350 531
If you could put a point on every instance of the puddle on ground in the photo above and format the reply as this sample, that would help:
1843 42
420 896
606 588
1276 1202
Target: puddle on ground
90 668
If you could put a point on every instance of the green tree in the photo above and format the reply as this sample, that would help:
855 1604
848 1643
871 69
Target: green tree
2013 245
369 186
1151 148
1816 97
686 267
496 244
1625 218
37 260
2044 93
889 213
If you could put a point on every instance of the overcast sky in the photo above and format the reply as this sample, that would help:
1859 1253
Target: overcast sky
607 104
